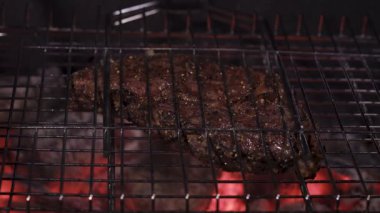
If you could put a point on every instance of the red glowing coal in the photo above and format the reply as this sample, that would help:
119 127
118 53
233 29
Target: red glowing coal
228 189
231 194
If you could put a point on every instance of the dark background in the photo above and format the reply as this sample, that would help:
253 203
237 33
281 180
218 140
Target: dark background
13 11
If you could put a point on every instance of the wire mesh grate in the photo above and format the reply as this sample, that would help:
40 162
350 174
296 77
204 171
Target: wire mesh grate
58 160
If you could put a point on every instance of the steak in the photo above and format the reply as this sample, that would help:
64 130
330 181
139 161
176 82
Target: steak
232 115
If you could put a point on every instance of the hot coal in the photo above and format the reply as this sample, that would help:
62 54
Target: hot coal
243 150
47 154
171 176
39 158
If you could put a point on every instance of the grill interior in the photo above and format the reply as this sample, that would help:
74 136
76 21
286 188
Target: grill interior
56 160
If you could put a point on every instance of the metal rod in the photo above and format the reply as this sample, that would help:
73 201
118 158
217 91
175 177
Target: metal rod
309 111
11 192
108 120
264 143
176 106
200 92
303 186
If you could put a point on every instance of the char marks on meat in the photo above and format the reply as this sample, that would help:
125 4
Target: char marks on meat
206 98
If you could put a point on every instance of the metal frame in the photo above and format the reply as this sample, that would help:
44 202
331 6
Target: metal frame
303 59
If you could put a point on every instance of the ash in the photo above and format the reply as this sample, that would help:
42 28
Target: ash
56 156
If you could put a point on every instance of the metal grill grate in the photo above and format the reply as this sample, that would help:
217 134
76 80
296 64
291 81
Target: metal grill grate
53 159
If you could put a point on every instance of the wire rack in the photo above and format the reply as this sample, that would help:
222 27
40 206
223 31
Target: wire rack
327 64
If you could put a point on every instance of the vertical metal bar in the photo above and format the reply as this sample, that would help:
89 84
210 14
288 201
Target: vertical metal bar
276 24
363 59
232 24
179 131
177 115
106 93
106 104
12 188
253 100
209 22
11 110
304 144
320 25
62 164
108 140
364 28
202 105
353 86
122 138
149 97
337 114
361 108
150 112
188 21
306 148
254 24
372 27
307 103
309 39
166 22
344 132
94 136
95 73
30 168
35 137
342 25
229 107
27 15
121 107
299 25
92 163
267 47
67 94
63 148
303 187
300 82
337 49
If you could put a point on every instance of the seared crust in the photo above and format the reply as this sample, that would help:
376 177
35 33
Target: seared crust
229 124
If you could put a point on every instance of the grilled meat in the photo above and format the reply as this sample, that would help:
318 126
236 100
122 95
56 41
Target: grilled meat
214 107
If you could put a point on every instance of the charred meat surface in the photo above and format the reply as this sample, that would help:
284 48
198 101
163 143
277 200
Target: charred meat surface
201 95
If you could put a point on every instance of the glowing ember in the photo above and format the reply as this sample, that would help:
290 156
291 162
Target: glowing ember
6 185
228 189
81 184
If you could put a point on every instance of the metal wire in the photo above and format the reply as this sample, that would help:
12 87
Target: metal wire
334 72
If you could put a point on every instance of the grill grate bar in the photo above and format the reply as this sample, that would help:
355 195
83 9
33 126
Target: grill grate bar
204 49
334 75
231 117
177 117
253 100
303 186
200 93
307 103
353 94
363 107
190 181
150 112
18 143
